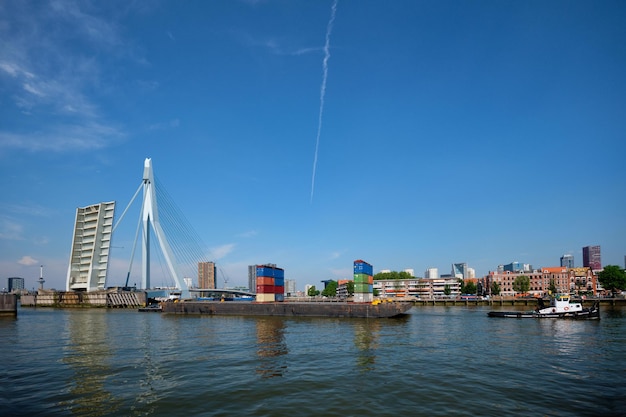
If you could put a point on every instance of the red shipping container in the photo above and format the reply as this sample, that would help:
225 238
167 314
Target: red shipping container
265 289
279 289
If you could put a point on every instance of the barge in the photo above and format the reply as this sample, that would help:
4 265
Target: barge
289 309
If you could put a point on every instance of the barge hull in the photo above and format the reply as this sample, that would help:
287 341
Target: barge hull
287 309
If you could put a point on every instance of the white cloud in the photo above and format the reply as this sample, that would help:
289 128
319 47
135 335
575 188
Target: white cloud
222 251
28 261
49 80
63 138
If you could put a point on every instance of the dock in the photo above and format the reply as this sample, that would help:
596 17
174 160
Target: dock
8 305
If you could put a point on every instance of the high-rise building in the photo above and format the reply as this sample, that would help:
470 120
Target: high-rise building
206 275
290 287
567 261
516 267
591 257
91 243
459 270
15 283
431 273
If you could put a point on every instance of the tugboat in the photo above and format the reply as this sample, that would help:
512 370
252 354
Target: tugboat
560 308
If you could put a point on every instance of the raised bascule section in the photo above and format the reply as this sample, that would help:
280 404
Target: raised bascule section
91 243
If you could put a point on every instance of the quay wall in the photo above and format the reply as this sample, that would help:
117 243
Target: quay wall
95 299
8 305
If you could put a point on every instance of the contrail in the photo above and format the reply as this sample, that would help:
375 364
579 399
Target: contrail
329 29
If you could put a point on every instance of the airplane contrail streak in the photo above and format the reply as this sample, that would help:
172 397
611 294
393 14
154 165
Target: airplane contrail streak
329 29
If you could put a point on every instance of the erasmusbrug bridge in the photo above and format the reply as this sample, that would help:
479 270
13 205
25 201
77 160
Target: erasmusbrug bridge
179 244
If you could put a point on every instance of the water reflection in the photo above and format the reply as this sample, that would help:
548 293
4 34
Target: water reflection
271 347
366 333
87 353
149 384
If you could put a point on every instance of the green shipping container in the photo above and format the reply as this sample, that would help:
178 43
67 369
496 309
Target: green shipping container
361 278
362 287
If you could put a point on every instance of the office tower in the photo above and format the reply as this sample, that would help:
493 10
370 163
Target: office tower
591 257
567 261
15 283
431 273
459 270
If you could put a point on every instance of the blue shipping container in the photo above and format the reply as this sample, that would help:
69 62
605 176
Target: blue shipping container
361 267
279 281
268 271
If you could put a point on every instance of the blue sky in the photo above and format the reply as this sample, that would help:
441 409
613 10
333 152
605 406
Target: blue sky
483 132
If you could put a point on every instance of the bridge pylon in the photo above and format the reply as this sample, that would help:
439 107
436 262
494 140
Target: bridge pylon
150 217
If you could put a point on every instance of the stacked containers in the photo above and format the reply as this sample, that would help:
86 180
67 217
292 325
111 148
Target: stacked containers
270 283
363 282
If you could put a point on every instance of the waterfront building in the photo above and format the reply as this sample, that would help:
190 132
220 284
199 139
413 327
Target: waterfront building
505 280
423 288
583 280
567 280
342 288
567 261
91 242
592 258
15 284
207 273
410 271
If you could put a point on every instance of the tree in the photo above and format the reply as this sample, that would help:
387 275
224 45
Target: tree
393 275
468 287
521 284
313 292
612 278
330 290
350 287
447 290
495 288
552 288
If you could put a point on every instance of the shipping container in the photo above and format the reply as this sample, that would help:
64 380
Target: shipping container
279 289
279 297
362 267
265 281
362 288
362 298
269 271
363 279
279 281
265 298
265 289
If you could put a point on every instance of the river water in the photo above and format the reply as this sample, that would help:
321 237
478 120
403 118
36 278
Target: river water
436 361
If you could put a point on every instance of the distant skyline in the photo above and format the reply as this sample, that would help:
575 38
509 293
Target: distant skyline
410 134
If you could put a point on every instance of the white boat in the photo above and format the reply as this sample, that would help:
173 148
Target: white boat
561 307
